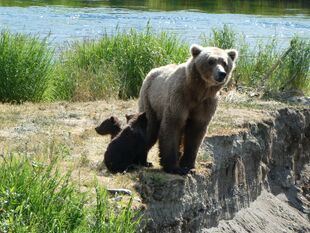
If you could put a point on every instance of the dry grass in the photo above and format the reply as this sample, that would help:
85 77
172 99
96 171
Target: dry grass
67 130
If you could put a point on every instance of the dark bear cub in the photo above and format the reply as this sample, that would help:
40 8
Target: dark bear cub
129 146
110 126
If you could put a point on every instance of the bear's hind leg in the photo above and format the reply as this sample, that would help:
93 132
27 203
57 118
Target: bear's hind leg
193 136
152 129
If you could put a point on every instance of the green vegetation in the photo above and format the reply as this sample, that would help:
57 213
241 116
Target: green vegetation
265 67
294 72
36 197
25 67
115 66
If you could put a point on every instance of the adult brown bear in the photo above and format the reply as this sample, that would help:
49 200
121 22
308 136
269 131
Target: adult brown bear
180 101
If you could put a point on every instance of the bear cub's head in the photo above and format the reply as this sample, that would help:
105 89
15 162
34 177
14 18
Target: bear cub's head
110 125
214 65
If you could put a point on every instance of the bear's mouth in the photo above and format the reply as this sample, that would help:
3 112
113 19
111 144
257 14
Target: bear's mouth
217 82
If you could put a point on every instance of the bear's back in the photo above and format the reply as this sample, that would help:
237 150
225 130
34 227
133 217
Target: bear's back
157 86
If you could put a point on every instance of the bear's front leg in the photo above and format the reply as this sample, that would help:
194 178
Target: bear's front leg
193 135
169 140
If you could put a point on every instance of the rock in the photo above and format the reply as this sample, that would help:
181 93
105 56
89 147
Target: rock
302 100
120 191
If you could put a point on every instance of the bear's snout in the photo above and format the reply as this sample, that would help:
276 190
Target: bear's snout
220 76
98 130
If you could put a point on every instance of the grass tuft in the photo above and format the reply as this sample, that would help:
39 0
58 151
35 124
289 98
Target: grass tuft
25 67
224 38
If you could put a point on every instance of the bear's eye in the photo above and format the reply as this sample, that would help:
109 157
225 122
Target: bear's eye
211 62
224 64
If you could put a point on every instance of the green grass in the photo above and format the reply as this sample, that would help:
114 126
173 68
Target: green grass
224 38
293 73
115 66
36 197
254 66
25 67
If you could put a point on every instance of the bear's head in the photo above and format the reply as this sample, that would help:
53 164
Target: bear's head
109 126
214 65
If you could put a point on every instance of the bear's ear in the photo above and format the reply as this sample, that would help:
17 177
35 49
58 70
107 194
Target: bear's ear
112 119
195 50
129 117
142 117
232 53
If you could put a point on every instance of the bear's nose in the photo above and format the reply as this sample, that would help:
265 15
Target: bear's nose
221 76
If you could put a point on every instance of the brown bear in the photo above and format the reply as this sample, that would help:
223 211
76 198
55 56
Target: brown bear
110 126
180 100
128 148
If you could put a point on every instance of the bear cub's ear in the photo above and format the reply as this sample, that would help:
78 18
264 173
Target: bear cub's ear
232 53
142 119
129 117
112 119
142 115
195 50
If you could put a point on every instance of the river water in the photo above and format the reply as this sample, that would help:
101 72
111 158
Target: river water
90 20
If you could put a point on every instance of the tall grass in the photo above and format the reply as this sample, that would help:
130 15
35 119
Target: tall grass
25 67
36 197
116 65
224 38
255 65
294 70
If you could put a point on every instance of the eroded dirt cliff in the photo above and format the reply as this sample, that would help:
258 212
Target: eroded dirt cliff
257 180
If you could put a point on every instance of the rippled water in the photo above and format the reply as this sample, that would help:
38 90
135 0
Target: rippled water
68 24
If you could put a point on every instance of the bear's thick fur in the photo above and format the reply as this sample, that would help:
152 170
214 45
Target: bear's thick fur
129 146
180 100
111 126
